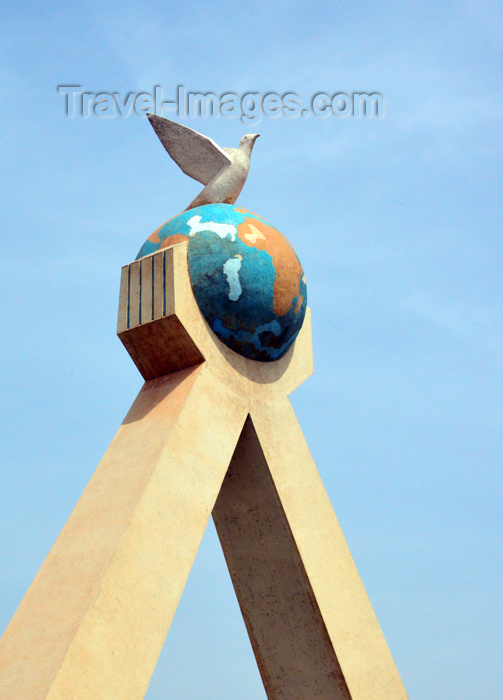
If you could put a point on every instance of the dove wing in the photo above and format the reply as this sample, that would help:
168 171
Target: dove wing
198 156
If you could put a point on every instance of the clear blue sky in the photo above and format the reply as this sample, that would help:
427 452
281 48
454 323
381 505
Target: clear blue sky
398 224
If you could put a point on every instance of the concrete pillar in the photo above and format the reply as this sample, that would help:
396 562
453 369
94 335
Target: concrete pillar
94 620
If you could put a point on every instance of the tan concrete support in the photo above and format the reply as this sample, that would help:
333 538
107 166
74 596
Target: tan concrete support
330 573
293 650
93 622
95 618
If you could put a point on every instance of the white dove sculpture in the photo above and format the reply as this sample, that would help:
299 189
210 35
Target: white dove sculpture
223 171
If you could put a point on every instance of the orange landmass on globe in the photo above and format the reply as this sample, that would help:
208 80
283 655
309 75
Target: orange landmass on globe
256 234
171 240
154 237
298 305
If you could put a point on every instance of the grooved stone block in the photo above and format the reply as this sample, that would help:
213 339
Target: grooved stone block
148 325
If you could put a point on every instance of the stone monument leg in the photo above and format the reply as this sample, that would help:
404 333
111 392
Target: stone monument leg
310 622
93 622
95 618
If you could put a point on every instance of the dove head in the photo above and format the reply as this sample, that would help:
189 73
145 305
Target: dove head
247 142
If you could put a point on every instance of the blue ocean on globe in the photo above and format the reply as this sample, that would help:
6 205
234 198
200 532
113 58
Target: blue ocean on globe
247 280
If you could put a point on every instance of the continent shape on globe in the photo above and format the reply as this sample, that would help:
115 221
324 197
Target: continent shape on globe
247 280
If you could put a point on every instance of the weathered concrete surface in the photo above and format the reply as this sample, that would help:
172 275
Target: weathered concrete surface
93 622
294 652
95 618
362 653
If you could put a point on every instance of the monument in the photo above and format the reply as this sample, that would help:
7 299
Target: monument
214 314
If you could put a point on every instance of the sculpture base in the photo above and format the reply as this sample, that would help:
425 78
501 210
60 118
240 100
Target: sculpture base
95 618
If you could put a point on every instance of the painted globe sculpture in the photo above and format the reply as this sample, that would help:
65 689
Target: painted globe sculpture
246 277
